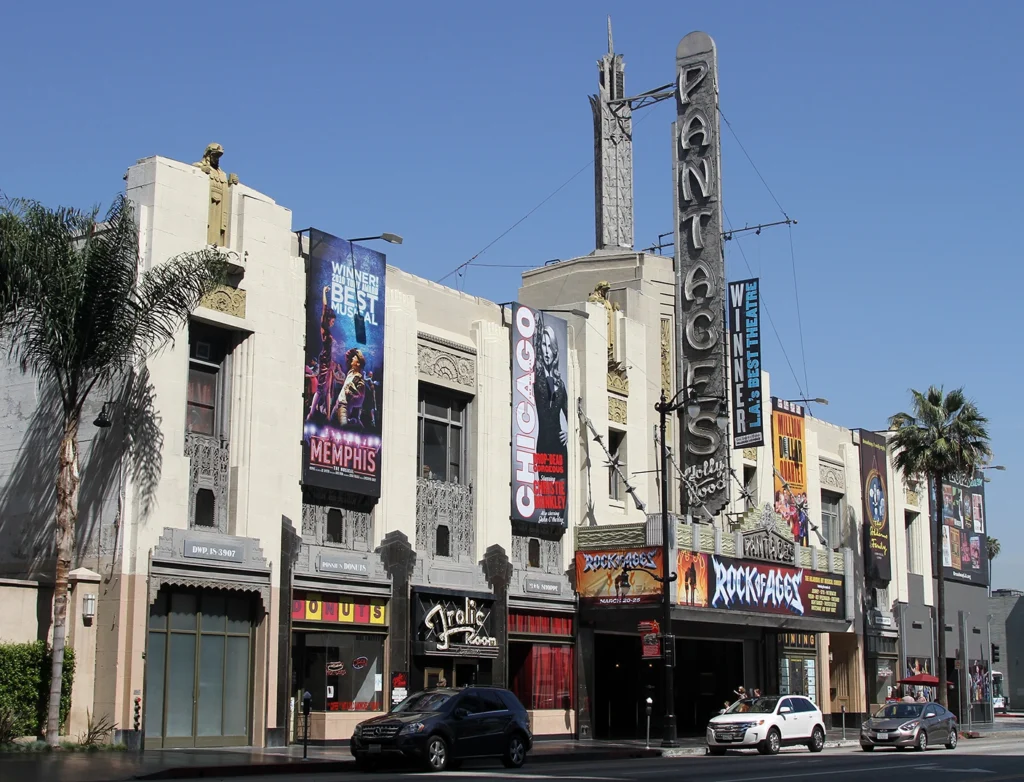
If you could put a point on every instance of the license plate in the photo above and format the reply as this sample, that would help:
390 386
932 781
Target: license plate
883 736
373 748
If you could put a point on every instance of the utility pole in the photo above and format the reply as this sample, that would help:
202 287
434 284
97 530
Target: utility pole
669 733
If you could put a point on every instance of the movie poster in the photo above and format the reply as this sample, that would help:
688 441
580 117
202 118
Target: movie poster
692 589
745 352
619 576
790 467
344 366
875 494
540 422
964 542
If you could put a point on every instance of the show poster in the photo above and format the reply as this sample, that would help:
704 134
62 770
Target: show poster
790 467
745 354
540 422
615 577
876 504
742 585
344 366
693 579
964 542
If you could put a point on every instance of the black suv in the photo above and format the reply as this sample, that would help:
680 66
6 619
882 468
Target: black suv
439 728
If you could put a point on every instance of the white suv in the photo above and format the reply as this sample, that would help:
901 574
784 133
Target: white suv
767 723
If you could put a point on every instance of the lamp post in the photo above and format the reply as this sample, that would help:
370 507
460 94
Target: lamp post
665 406
392 238
818 401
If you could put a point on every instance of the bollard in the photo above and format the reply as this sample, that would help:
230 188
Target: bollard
307 707
843 709
647 745
137 717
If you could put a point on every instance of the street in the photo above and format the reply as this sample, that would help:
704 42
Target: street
982 760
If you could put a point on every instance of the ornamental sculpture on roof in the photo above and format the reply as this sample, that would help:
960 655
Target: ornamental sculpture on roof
220 195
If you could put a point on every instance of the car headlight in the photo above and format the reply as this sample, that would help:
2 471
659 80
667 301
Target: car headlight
413 727
909 726
357 728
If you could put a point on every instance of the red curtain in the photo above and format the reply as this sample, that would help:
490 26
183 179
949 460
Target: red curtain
544 678
540 624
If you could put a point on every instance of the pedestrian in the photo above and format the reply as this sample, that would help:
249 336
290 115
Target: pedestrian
757 693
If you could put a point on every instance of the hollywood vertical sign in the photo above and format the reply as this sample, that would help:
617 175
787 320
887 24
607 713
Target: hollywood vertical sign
700 268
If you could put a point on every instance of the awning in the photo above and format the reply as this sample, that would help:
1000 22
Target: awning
925 679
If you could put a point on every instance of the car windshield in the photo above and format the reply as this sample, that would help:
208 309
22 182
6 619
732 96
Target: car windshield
755 706
424 701
899 711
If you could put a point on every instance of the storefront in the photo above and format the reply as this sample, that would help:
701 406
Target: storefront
798 664
454 643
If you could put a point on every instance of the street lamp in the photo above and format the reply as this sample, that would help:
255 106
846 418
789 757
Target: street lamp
995 467
817 401
665 406
392 238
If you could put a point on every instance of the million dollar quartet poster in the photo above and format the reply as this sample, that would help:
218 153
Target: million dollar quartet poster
790 467
540 422
344 366
964 541
876 504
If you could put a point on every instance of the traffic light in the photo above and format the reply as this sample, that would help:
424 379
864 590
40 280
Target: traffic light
995 653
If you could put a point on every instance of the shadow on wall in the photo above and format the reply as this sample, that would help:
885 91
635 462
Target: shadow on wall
27 482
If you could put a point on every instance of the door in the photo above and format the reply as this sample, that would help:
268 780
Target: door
468 725
495 718
808 715
433 677
789 723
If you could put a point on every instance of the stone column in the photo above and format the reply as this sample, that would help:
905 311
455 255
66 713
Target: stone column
498 571
82 638
399 559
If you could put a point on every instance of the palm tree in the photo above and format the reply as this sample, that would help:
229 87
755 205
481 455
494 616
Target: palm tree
992 544
79 314
945 438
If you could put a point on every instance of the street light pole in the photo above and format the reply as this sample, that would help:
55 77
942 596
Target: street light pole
669 736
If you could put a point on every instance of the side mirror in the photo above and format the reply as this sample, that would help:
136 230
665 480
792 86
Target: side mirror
721 711
785 710
929 714
460 713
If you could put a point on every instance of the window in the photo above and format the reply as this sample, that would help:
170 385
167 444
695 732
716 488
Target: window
830 526
913 557
442 541
882 598
341 670
335 526
533 555
490 701
206 506
442 436
617 448
786 704
750 487
207 351
542 675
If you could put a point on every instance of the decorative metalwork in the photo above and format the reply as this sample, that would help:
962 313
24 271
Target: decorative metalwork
666 356
832 476
451 504
550 555
356 527
447 366
224 298
617 410
209 468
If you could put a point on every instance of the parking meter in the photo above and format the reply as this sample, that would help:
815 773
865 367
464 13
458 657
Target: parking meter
307 707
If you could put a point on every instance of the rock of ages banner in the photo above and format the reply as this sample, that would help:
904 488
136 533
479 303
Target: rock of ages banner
790 467
344 366
612 577
876 504
540 422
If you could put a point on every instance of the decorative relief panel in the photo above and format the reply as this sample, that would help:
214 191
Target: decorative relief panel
356 527
611 536
447 365
666 356
750 453
440 502
832 476
224 298
209 460
617 410
618 381
550 555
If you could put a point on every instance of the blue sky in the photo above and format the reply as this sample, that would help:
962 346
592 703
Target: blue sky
890 131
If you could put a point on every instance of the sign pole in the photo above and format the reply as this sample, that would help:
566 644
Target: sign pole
668 646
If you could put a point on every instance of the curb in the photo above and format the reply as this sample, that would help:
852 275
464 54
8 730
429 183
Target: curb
683 752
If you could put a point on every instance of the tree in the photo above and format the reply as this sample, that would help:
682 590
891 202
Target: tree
80 314
992 546
945 438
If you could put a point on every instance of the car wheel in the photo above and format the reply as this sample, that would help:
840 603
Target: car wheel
515 752
953 737
772 743
817 742
922 740
716 751
437 754
868 747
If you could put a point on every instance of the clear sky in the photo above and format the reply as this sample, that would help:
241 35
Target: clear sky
890 131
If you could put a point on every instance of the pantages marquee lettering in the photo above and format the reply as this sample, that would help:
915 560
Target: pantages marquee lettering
757 587
630 560
769 546
448 622
701 268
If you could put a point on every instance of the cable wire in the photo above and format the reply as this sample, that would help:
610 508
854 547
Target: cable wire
752 165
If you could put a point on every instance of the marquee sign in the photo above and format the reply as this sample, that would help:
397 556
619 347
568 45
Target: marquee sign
456 628
700 269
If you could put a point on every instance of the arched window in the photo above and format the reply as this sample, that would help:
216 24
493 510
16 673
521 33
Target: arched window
206 507
442 541
533 553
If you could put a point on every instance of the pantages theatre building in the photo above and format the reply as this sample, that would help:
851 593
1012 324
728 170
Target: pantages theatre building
362 483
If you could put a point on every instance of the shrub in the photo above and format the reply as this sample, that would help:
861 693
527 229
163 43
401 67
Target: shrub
25 685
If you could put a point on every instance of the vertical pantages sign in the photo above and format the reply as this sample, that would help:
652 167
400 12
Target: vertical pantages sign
344 366
875 480
540 422
790 467
700 269
745 353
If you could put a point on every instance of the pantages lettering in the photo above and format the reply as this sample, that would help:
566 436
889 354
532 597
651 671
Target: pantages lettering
757 587
630 560
768 545
446 622
700 264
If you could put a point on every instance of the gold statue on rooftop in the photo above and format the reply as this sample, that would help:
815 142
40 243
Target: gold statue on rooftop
220 195
600 296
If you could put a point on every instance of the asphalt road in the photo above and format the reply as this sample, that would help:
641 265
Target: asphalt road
974 761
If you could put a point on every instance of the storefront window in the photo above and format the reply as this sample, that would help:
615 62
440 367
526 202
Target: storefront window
542 675
342 671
